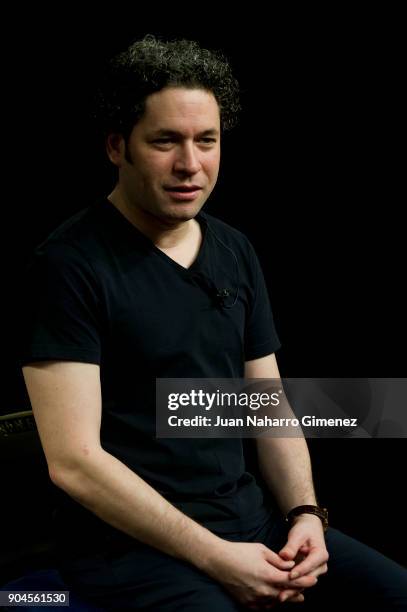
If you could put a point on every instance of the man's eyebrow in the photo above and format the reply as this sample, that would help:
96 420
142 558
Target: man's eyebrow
166 132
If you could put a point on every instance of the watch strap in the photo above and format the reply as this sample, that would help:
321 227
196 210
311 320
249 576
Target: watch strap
322 513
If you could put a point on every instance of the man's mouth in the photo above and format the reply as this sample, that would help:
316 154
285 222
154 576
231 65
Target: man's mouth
183 188
183 193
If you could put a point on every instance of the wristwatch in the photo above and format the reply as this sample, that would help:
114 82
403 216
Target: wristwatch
321 512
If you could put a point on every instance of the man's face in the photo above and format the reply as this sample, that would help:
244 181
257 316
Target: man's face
175 145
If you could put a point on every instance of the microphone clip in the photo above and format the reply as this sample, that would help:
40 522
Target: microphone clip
222 295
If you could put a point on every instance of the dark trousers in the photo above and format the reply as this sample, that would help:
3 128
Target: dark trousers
142 578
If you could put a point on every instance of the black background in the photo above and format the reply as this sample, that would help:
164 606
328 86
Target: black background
312 175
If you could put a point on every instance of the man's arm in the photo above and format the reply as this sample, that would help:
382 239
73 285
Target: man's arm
66 401
286 468
284 462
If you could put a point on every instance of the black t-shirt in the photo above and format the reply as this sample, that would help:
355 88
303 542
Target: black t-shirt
99 291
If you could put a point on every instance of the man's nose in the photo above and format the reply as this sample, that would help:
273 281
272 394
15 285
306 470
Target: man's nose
187 159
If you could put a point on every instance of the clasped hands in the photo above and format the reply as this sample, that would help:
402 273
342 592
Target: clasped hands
306 551
261 579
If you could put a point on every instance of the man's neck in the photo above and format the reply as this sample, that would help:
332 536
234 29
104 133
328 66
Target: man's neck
163 235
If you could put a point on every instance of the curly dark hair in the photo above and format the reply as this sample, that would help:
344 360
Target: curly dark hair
148 66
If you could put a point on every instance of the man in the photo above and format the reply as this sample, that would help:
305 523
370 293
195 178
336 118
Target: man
128 291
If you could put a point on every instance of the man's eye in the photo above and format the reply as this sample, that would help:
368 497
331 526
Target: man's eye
165 141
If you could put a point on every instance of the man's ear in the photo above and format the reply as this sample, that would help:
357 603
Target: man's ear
116 149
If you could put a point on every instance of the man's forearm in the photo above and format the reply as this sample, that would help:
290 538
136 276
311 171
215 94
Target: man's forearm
286 468
120 497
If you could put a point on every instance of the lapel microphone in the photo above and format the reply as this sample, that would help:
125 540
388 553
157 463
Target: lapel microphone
218 294
221 296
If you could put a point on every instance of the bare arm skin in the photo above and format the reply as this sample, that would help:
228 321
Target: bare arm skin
66 401
286 468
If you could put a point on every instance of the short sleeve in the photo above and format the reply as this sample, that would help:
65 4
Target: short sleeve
261 337
60 318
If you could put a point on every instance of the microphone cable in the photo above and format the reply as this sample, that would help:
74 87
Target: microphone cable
220 292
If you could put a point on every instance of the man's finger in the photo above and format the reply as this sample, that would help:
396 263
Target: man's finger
288 552
295 598
293 546
278 562
303 582
310 563
305 549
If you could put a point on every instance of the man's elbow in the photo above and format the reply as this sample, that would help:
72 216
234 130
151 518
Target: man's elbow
60 474
73 473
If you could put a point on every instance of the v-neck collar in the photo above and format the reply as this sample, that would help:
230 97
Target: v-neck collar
133 232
